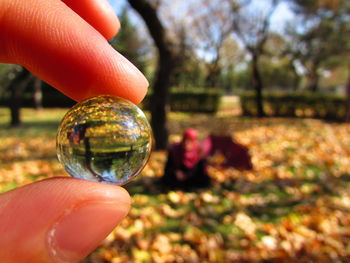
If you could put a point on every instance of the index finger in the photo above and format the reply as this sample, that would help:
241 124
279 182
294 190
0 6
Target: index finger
61 48
97 13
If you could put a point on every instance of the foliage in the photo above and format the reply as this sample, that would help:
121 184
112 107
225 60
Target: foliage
252 25
320 35
210 27
187 69
129 43
292 208
195 101
191 100
5 74
51 98
166 63
318 105
276 74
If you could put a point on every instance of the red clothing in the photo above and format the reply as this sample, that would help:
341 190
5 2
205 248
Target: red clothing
236 155
185 168
187 152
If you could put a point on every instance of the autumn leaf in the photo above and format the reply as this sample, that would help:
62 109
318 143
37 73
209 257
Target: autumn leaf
293 207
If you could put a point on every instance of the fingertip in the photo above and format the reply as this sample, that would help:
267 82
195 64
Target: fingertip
81 229
61 55
68 189
115 75
98 13
67 218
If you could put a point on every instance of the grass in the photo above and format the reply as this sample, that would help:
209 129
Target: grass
35 123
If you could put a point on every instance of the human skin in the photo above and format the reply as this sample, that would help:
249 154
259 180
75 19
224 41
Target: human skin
65 44
59 46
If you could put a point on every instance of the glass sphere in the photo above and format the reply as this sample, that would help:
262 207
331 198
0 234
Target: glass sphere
105 139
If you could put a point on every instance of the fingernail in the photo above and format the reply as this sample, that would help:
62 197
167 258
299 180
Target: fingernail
79 231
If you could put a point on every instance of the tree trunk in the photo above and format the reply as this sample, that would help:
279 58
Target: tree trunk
213 79
347 116
38 95
160 102
213 76
313 80
296 76
17 87
166 66
257 85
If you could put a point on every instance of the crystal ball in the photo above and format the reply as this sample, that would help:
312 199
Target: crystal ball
105 139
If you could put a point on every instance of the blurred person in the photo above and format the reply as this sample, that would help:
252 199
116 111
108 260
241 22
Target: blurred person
235 154
65 44
187 161
185 166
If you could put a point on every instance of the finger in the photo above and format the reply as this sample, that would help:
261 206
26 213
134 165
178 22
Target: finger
58 46
58 220
97 13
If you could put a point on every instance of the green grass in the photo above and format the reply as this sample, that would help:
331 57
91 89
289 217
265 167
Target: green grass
34 123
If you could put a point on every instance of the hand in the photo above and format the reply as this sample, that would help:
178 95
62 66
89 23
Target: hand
59 46
63 219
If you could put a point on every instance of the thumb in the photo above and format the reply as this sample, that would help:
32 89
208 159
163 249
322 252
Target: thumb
58 220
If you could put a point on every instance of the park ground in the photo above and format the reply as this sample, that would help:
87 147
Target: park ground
293 207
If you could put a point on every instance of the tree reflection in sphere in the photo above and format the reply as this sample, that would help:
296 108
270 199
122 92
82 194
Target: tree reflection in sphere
105 139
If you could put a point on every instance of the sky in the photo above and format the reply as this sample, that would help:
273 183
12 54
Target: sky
117 4
281 15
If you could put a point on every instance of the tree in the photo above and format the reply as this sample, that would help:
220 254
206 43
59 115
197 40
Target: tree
166 64
210 27
251 24
129 43
37 93
6 73
278 66
321 34
16 86
347 115
13 82
187 72
233 60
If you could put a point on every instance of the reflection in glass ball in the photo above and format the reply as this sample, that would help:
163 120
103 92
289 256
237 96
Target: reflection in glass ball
105 139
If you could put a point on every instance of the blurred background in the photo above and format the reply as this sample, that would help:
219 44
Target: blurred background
272 74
